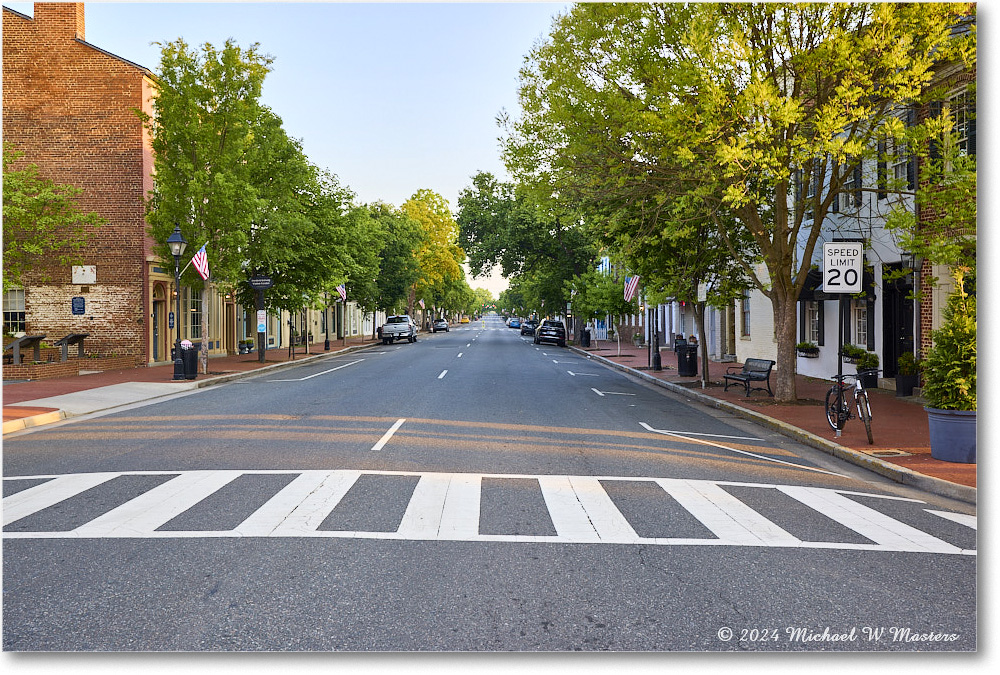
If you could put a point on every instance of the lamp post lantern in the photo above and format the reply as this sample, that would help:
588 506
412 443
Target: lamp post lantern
177 244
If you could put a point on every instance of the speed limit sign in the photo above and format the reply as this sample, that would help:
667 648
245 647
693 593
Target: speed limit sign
842 264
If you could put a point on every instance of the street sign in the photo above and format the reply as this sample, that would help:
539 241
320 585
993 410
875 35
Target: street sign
842 266
260 283
79 305
261 321
170 320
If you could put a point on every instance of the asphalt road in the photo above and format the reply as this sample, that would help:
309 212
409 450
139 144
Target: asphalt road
471 491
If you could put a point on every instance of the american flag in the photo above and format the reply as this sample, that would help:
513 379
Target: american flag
631 286
200 262
342 289
422 306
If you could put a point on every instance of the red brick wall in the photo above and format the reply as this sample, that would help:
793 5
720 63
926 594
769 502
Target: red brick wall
69 108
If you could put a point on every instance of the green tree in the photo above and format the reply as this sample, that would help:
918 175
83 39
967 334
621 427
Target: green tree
729 103
398 268
439 257
42 224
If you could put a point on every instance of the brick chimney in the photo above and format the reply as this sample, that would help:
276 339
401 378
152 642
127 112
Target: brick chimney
60 18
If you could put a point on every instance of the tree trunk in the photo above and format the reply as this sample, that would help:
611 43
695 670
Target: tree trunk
203 356
784 333
699 318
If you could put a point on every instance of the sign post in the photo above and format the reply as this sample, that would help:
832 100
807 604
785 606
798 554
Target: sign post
842 272
260 284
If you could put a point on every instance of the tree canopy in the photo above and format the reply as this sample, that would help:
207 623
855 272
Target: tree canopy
41 221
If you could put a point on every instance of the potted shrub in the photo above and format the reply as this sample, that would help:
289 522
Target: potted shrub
807 349
868 361
907 374
637 339
950 380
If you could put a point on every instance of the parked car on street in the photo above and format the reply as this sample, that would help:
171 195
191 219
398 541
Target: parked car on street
397 328
514 322
528 327
551 330
439 324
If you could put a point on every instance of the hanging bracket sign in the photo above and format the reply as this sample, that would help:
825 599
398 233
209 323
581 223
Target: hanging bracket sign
842 266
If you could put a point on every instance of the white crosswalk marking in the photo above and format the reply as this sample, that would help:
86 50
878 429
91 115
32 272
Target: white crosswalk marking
880 528
300 507
142 515
49 493
446 507
731 520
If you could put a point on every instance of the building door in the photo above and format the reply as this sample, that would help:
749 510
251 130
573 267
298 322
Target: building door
159 324
897 320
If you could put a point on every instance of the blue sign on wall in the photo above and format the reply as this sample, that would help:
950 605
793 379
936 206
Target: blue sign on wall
79 306
170 320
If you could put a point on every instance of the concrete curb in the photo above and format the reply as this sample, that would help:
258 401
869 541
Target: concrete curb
48 418
896 473
10 426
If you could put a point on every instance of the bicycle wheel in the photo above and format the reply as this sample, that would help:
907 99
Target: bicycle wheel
865 413
836 408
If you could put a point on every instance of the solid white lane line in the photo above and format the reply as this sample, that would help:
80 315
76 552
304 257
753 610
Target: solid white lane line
696 433
387 435
443 373
741 452
309 377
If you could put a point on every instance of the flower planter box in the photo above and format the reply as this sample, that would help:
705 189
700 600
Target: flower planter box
809 354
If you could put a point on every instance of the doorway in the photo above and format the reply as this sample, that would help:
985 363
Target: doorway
897 319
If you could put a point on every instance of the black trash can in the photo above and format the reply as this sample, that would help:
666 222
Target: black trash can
584 338
687 360
189 357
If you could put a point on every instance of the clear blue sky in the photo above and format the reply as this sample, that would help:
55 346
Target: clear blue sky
391 97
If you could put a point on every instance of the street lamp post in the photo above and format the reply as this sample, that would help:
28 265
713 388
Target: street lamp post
177 244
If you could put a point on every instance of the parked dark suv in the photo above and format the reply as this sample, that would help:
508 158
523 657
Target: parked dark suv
528 327
551 330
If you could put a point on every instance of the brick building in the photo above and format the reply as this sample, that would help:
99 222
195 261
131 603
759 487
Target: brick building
70 108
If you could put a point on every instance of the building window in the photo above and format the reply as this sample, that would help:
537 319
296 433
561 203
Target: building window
13 312
193 313
812 323
850 195
745 313
959 109
859 320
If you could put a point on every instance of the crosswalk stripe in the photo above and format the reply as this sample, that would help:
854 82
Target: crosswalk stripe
31 500
300 507
726 516
567 513
143 514
868 522
444 506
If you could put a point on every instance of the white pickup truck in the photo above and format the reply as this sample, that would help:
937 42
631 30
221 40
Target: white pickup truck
397 328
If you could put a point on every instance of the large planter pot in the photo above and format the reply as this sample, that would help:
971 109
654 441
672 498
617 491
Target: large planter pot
953 435
905 384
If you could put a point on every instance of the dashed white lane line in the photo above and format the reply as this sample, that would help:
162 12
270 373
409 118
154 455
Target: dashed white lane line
309 377
443 373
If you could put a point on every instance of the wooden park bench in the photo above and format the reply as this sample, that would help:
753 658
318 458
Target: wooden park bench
754 370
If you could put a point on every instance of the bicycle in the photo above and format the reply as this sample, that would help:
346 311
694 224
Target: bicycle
838 407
